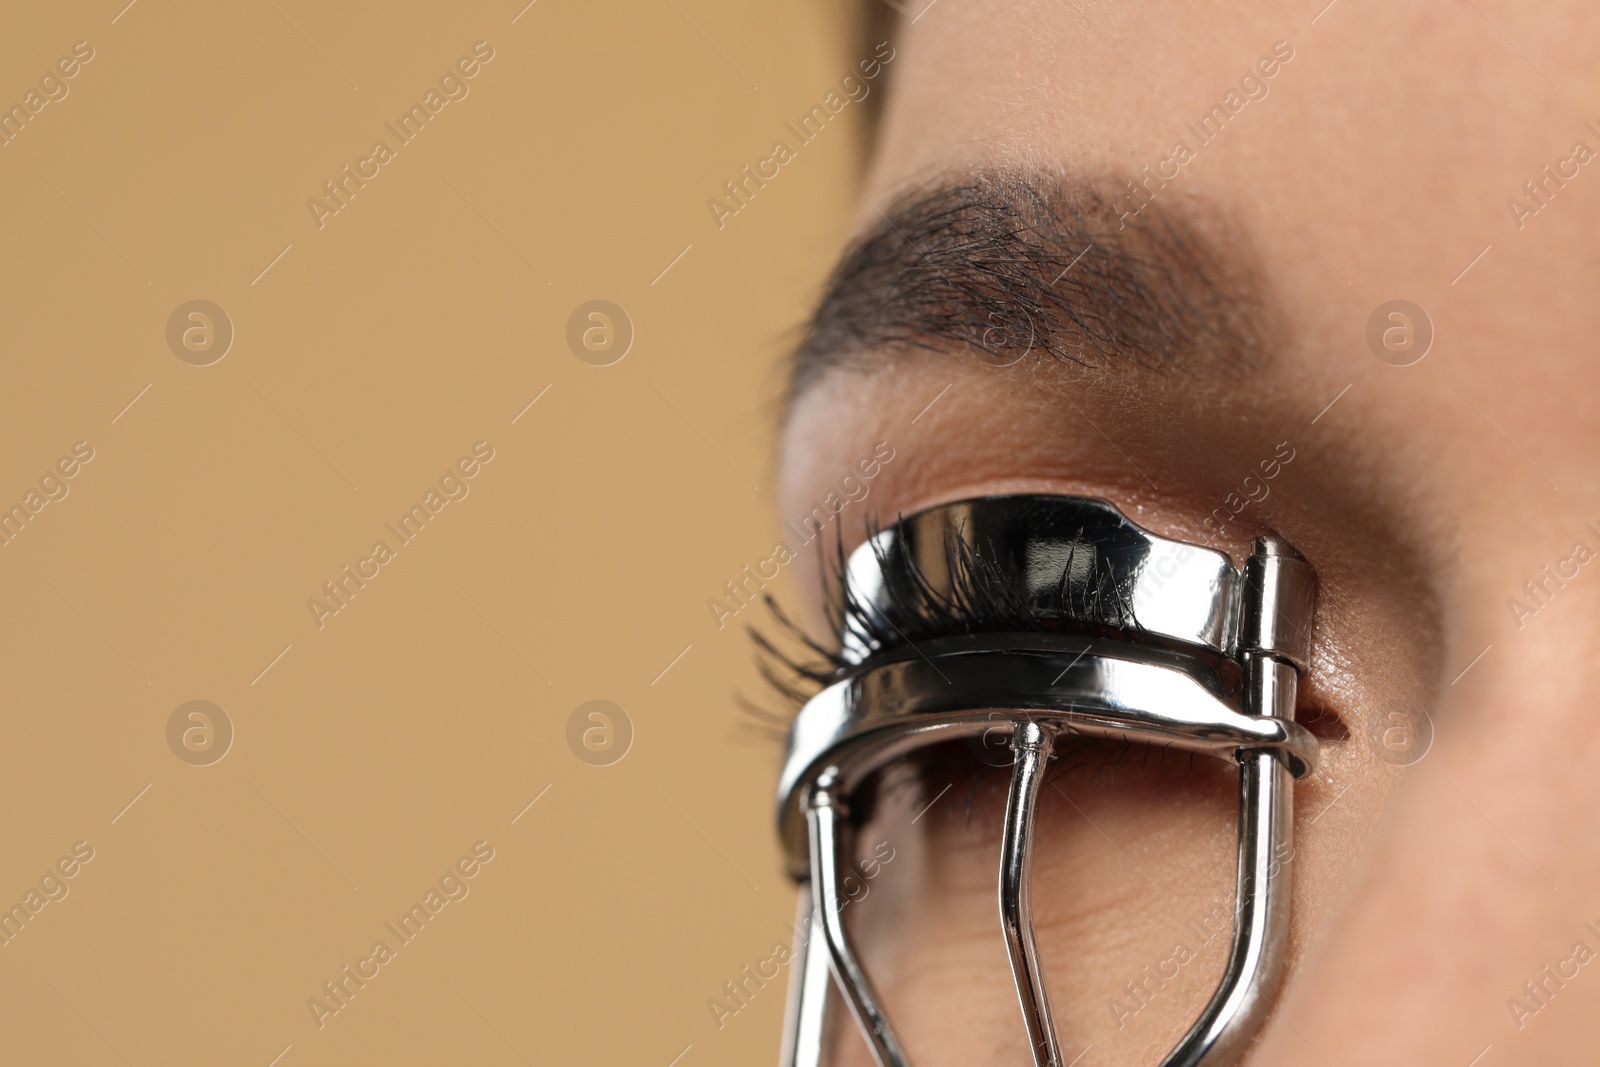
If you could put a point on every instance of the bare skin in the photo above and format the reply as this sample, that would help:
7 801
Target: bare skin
1425 896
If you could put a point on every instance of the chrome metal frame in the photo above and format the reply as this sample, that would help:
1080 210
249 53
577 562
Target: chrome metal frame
1149 640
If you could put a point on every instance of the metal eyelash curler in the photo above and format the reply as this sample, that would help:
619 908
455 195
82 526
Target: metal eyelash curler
1146 639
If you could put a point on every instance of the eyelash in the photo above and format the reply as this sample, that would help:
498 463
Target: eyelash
795 666
980 601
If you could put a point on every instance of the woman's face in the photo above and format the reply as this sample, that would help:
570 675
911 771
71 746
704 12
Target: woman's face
1151 253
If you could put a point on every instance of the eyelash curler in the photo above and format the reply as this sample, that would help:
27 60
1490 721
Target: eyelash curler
1132 637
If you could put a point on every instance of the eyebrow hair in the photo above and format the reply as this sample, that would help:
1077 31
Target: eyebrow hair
1016 263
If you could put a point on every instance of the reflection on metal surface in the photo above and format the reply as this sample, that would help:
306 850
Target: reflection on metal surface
1070 560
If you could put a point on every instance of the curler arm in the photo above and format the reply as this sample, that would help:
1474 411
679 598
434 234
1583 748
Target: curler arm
1031 742
823 818
807 1020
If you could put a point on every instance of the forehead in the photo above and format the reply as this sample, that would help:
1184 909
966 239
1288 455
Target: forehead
1314 169
1029 81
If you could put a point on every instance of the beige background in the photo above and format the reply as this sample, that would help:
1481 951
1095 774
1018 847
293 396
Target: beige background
371 754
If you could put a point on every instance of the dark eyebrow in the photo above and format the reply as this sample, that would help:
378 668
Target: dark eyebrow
1013 263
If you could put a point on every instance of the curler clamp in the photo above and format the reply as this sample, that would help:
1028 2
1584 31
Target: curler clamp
1141 639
